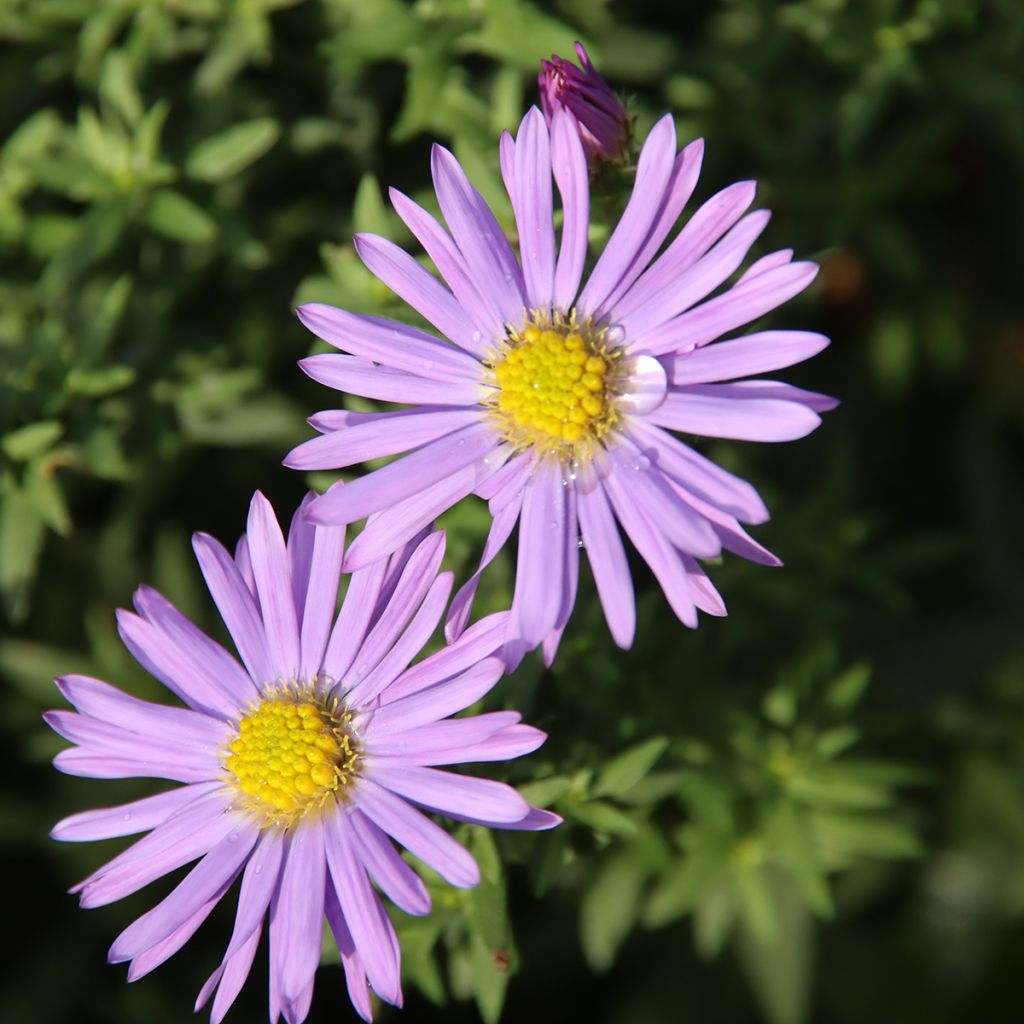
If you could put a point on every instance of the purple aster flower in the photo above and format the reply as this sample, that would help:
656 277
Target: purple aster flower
555 402
603 123
300 768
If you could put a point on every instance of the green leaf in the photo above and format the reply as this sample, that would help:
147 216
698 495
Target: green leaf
118 88
794 841
843 693
488 916
603 817
368 211
625 770
27 442
544 792
489 978
21 541
99 382
780 972
226 154
177 217
609 909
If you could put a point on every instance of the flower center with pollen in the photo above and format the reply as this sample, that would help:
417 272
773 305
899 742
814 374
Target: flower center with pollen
556 384
291 755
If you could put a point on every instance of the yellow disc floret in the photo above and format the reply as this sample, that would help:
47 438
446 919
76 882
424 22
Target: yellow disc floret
555 385
292 754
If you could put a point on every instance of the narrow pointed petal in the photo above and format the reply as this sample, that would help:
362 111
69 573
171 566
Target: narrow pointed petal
570 168
532 204
607 558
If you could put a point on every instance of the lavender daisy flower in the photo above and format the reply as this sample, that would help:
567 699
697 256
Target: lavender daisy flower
298 769
554 401
604 125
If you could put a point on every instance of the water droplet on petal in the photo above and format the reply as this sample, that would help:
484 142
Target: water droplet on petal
257 869
641 463
127 816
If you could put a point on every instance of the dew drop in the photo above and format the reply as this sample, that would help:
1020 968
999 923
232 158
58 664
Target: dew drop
579 542
642 464
127 816
460 442
257 869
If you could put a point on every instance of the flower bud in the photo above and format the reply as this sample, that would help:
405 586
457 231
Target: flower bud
604 125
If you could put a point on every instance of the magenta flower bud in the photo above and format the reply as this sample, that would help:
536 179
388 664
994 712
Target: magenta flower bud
604 125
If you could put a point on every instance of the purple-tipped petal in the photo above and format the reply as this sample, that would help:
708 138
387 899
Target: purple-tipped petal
699 410
442 792
419 835
361 905
396 879
744 357
409 281
532 204
389 343
609 565
569 164
237 605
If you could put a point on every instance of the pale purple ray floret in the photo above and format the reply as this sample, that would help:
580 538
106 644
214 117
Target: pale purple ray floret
300 765
504 403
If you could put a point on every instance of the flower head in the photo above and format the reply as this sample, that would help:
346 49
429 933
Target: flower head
555 402
300 768
604 126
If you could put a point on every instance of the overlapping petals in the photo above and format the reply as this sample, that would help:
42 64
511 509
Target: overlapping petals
670 305
277 596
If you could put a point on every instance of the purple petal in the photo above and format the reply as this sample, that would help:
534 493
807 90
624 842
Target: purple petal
389 343
773 389
228 979
418 834
412 641
165 949
321 597
389 433
481 639
779 258
540 567
462 603
396 879
359 377
442 792
416 578
106 703
439 738
681 184
392 528
272 571
571 575
419 288
569 163
703 592
689 286
438 701
414 473
211 875
355 973
259 882
360 906
698 474
353 619
297 911
744 357
504 745
700 410
702 231
654 170
438 245
654 548
740 305
609 565
173 663
534 213
236 604
192 832
128 819
219 681
478 235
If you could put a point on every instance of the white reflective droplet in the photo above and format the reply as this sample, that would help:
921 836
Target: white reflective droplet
127 816
641 463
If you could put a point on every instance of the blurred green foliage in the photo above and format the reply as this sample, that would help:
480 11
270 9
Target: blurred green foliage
739 801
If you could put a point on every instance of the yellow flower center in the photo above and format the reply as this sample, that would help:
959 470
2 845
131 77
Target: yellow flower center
292 755
555 385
